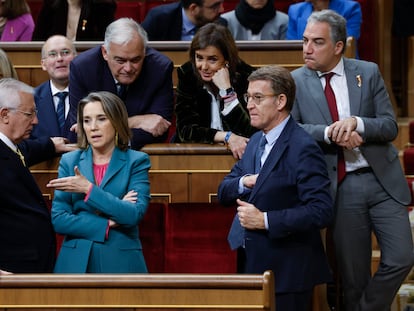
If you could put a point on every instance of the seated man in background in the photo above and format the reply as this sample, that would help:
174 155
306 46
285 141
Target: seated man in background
140 75
256 20
51 97
180 20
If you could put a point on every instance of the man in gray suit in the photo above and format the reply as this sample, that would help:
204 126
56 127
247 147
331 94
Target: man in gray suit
373 194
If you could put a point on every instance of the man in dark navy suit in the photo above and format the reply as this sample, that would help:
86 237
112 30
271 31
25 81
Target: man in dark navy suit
282 194
57 54
179 21
139 74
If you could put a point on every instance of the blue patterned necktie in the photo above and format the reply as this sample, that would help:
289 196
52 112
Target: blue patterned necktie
236 234
259 152
121 90
60 111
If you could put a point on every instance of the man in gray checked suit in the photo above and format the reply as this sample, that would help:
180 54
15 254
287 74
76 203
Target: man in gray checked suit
373 194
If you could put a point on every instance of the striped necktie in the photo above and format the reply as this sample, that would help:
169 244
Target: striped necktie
60 111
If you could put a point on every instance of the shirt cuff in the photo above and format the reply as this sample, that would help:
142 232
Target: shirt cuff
360 125
266 221
228 108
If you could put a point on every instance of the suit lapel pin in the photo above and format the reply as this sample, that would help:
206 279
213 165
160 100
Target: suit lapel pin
359 80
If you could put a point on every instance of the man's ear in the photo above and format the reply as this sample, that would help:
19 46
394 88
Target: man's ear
281 101
104 53
4 115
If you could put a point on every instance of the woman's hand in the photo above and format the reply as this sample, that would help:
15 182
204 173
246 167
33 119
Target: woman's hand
77 183
222 78
131 196
237 145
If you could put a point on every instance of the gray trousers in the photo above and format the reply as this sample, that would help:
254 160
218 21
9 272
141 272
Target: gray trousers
362 206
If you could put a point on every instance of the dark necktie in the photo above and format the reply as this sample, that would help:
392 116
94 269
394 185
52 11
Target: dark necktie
121 89
330 98
60 111
259 152
236 234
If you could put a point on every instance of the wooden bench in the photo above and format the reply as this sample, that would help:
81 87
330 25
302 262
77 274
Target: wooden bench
138 292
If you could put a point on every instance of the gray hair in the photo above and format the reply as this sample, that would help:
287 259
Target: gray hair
122 30
9 92
336 22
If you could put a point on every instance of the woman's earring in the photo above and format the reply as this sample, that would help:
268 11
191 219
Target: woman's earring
116 139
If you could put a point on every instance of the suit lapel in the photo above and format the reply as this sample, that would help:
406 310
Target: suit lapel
273 158
118 161
316 94
354 80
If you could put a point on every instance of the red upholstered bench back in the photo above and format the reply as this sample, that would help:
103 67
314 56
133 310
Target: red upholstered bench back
196 238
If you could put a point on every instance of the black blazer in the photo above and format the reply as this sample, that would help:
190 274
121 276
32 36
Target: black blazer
193 107
27 239
95 16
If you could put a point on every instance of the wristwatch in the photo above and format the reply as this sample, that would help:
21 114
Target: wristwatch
227 92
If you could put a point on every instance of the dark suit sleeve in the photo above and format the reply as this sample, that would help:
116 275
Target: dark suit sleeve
37 150
156 87
78 89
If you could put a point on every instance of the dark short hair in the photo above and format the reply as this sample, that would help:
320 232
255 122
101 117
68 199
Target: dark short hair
213 34
115 111
15 8
336 22
281 81
187 3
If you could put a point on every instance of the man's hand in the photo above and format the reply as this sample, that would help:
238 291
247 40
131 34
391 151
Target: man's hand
151 123
62 145
354 141
250 217
249 181
340 131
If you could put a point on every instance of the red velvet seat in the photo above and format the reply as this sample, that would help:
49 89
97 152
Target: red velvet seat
196 238
152 236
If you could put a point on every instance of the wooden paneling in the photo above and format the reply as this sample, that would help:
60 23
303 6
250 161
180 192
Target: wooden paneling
25 56
138 292
179 172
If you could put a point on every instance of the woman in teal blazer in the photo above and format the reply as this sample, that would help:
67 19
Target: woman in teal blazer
102 193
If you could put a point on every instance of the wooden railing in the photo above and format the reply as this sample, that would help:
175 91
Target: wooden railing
138 292
179 172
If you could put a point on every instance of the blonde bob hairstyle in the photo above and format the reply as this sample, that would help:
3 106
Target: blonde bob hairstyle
115 111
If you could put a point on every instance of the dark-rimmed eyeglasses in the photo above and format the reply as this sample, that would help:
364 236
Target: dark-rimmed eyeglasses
258 97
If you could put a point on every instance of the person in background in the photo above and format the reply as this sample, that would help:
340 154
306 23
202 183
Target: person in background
299 13
78 20
27 239
139 74
182 19
16 21
343 103
6 67
210 107
256 20
102 193
51 97
281 188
